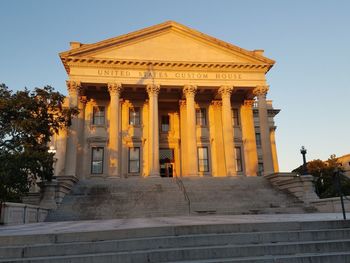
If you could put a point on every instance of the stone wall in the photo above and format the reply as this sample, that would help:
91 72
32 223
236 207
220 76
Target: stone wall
18 213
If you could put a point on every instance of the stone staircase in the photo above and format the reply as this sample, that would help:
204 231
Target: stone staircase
121 198
239 195
268 242
153 197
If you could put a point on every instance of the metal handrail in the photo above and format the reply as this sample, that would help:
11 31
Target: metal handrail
183 190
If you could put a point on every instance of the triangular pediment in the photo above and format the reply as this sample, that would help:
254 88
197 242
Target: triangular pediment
169 41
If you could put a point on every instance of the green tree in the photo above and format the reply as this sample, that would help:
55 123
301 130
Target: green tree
28 120
324 174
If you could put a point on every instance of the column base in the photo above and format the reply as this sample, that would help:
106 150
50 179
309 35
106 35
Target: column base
154 175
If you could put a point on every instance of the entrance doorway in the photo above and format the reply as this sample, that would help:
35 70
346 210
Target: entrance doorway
166 162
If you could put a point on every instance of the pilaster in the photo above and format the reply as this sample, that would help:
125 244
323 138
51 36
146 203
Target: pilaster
248 137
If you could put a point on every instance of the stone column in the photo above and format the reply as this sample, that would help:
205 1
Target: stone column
153 134
274 150
248 137
113 146
72 132
260 92
227 130
192 158
81 140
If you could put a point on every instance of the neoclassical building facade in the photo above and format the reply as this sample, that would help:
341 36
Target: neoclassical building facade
166 101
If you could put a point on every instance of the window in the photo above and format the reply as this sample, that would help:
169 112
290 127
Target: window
97 160
203 161
239 167
235 117
258 139
260 169
98 115
134 160
134 116
201 117
165 123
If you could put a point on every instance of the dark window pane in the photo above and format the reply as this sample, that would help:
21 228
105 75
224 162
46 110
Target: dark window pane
235 117
203 162
201 117
134 160
165 121
239 167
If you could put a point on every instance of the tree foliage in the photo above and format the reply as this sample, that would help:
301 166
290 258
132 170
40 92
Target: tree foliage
28 120
324 174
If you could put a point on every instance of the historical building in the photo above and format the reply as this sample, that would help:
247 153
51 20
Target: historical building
166 101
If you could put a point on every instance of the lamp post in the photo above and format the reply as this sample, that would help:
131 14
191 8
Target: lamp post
303 152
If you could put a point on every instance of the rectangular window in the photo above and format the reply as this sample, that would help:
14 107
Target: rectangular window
98 115
165 123
201 117
203 161
97 160
239 167
235 117
134 116
134 160
258 139
260 169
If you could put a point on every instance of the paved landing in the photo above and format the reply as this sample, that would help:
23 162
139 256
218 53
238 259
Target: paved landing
132 223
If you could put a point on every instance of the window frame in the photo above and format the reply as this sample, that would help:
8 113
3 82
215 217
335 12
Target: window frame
201 114
161 123
238 161
258 139
132 117
96 116
207 160
92 159
235 117
136 160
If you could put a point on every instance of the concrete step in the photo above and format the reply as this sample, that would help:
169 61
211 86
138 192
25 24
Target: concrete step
73 248
199 253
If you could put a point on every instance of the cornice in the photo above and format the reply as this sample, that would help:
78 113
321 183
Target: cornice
145 64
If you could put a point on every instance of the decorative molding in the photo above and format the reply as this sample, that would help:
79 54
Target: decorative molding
248 103
114 88
190 90
182 103
96 139
73 87
261 90
153 89
216 103
83 99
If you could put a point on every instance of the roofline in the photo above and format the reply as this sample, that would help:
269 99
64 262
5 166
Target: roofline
154 29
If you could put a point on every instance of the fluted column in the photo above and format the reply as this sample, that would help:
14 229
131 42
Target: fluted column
81 140
248 137
153 135
274 150
192 155
72 132
113 146
227 130
260 92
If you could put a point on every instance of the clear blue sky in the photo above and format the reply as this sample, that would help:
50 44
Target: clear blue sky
310 40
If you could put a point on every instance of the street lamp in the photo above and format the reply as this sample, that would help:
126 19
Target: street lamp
303 152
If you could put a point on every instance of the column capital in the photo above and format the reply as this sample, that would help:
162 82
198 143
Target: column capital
153 89
190 90
73 86
216 103
261 90
248 103
225 90
114 88
182 103
83 99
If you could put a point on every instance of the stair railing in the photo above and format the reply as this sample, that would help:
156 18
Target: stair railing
182 188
